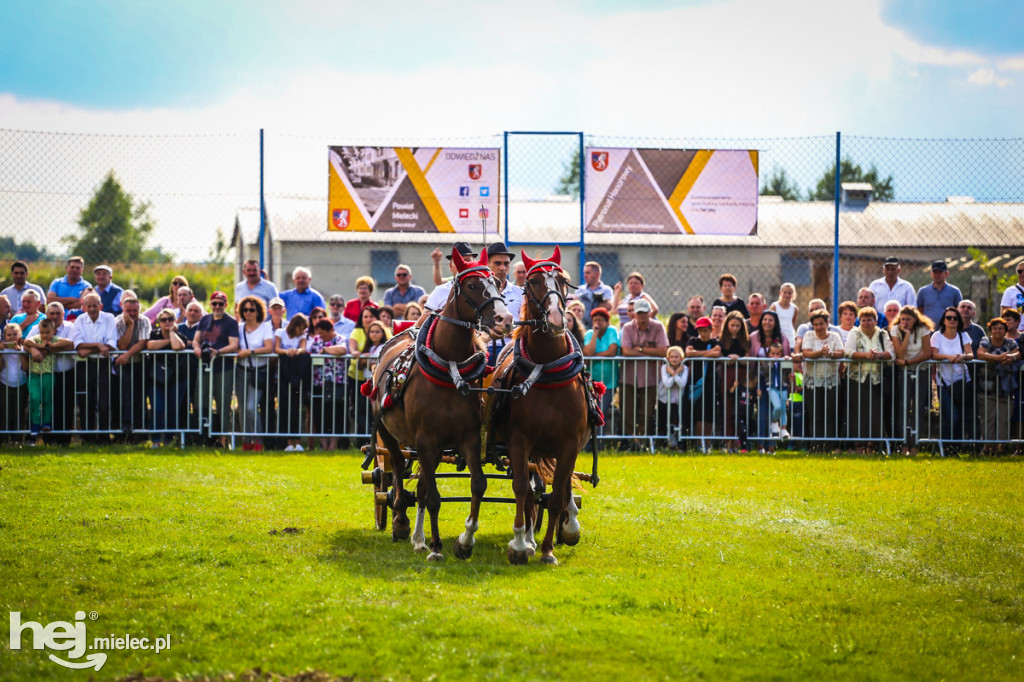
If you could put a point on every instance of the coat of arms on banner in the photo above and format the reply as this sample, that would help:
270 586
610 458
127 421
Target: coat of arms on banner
599 160
340 217
475 171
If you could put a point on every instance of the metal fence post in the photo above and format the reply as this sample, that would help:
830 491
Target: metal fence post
583 198
263 208
835 247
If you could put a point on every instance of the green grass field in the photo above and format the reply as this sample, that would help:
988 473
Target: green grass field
715 567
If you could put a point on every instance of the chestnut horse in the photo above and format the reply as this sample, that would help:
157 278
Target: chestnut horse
548 420
437 410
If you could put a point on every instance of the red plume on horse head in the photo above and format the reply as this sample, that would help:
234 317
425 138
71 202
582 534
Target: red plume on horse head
462 264
556 258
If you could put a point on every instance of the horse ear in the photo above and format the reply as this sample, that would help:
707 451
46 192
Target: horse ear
483 257
460 262
527 261
556 257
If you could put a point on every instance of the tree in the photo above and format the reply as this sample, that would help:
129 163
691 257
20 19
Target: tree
851 172
569 183
780 185
115 228
218 254
11 249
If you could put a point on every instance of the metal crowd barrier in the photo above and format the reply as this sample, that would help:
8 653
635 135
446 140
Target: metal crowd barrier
744 404
825 406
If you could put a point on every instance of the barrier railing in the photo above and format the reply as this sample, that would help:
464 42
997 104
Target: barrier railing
737 404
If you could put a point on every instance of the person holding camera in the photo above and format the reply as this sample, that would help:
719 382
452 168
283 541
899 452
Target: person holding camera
595 293
218 335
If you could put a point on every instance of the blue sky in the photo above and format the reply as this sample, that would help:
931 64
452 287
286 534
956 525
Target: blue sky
912 67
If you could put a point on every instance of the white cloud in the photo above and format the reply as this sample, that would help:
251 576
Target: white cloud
1012 64
985 76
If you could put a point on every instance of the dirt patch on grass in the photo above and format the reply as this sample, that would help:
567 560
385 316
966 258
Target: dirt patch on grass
253 675
290 530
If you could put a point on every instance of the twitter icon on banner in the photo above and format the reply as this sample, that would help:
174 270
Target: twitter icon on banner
485 191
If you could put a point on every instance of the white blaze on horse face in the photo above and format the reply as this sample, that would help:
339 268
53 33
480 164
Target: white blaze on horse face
502 317
555 317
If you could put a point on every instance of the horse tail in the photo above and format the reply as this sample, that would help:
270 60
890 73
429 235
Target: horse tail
545 468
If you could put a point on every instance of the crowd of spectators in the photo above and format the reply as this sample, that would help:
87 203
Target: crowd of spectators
749 372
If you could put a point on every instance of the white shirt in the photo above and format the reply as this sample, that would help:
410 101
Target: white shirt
514 297
948 372
103 330
65 360
287 342
254 340
903 291
13 374
670 388
1013 297
439 296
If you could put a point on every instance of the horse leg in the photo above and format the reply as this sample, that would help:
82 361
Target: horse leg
478 486
569 530
399 519
429 497
556 505
519 551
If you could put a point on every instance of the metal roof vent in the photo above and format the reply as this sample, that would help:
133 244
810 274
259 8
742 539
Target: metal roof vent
856 194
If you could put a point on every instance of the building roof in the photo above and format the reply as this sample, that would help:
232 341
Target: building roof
781 224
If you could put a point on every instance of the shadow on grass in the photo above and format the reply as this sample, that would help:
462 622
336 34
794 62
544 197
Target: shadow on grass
373 553
806 454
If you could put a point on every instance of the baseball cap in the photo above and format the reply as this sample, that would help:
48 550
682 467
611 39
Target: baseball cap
277 300
103 267
892 260
940 265
702 322
219 295
641 305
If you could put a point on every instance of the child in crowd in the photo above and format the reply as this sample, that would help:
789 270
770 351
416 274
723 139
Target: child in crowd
376 337
671 383
40 382
787 310
290 346
779 385
12 382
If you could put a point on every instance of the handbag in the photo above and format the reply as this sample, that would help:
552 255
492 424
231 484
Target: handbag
696 389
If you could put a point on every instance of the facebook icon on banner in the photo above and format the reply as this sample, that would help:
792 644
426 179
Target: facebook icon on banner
464 191
485 191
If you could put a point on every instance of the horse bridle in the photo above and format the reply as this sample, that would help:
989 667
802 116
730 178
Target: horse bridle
542 324
483 272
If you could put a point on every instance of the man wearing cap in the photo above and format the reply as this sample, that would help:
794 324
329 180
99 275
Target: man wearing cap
499 259
1013 297
254 284
891 287
67 290
933 299
404 291
303 298
110 293
218 334
595 293
439 296
19 275
343 326
642 337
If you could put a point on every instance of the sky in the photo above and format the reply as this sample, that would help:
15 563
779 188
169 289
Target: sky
461 72
646 67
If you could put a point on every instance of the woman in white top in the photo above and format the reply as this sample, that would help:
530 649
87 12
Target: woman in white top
787 310
912 388
952 344
821 348
255 344
870 347
290 346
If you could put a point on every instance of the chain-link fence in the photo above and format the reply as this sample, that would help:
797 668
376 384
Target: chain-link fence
124 199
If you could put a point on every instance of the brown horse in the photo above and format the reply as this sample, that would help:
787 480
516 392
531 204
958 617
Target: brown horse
549 418
437 410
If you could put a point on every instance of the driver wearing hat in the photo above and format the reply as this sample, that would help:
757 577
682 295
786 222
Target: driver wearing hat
499 259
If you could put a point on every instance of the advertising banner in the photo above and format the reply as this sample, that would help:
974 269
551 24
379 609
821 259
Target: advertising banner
671 191
412 189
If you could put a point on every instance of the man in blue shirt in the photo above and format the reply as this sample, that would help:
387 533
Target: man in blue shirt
303 298
596 294
404 291
110 293
343 326
67 290
254 284
933 299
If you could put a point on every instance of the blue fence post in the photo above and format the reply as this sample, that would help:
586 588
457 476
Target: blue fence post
583 226
263 208
505 179
835 248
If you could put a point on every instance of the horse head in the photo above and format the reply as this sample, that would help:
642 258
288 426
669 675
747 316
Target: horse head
546 287
475 286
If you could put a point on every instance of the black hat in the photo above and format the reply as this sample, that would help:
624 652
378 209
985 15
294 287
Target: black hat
891 260
500 248
940 265
464 249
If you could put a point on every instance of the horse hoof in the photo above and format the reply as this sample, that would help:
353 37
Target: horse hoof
566 539
399 531
518 557
549 559
435 556
419 547
462 551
